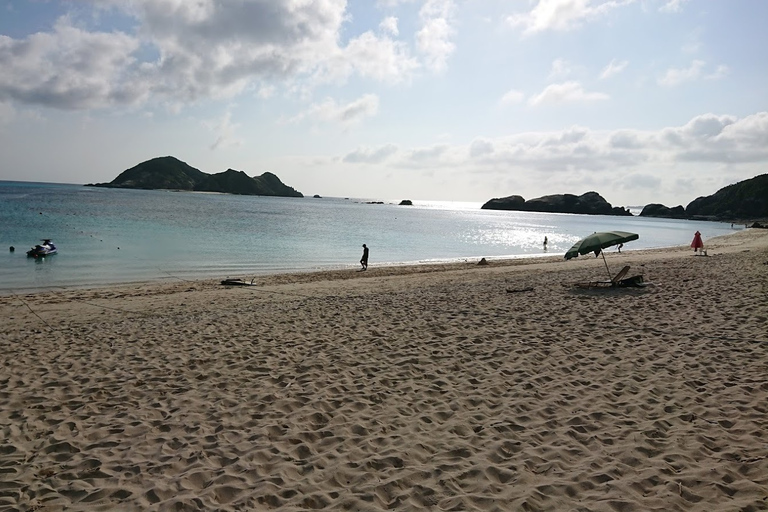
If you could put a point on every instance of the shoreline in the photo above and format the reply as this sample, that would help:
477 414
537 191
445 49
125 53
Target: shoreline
497 387
722 242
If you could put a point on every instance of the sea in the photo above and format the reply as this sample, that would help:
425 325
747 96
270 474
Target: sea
118 236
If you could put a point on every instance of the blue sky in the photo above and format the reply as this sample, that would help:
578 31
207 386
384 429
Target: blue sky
640 100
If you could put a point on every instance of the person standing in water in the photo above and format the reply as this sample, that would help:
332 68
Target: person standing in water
364 259
545 243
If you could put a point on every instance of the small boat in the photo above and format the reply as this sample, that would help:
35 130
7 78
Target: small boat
42 250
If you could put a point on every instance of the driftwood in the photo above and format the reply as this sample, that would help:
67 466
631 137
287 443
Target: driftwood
518 290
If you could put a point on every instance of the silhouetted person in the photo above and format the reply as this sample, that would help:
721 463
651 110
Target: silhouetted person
364 259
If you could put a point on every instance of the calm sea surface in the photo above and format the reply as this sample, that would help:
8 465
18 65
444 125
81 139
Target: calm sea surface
108 236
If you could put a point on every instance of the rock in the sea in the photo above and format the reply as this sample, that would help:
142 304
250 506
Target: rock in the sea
590 203
406 202
505 203
659 210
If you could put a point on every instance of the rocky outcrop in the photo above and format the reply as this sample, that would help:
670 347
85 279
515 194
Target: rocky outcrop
659 210
590 203
406 202
745 200
171 173
505 203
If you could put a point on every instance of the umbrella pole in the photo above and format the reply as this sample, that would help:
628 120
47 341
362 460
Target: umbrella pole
602 252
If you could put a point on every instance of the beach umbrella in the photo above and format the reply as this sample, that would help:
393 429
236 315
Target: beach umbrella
596 242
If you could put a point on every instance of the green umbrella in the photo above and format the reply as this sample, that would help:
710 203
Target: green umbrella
599 241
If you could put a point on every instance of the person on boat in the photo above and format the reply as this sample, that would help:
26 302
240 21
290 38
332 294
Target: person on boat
364 259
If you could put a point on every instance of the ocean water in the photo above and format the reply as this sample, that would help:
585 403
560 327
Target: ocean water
108 236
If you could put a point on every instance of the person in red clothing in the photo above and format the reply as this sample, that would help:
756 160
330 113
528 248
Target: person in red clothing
697 242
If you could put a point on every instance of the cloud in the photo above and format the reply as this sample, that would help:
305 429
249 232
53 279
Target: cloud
614 68
635 181
370 155
480 147
512 97
696 71
672 6
182 52
567 92
625 139
379 58
708 147
560 69
563 14
7 113
225 130
433 40
329 111
389 26
427 154
69 68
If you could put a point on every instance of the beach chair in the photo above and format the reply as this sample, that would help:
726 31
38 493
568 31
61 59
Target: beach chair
614 282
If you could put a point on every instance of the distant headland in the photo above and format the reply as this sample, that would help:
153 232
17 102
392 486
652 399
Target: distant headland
170 173
743 201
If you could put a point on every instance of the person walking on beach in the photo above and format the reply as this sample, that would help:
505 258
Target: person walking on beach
364 259
697 243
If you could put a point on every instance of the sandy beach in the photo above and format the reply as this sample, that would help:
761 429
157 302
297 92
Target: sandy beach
445 387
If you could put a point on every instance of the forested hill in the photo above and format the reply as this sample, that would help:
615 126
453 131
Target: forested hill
170 173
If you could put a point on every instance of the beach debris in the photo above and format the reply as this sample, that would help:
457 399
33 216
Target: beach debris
236 281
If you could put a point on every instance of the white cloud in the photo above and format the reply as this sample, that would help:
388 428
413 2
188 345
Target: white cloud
225 130
480 147
696 71
69 68
182 52
266 91
371 56
635 181
563 14
721 72
389 26
427 155
676 76
512 97
370 155
567 92
561 68
708 147
434 38
328 111
672 6
613 68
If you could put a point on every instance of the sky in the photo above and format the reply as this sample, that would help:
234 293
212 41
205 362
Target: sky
642 101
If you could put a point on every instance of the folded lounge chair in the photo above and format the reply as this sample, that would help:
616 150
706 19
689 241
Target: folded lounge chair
619 280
